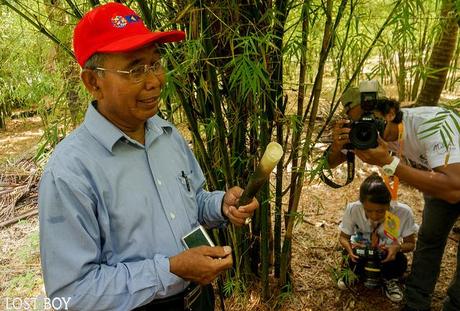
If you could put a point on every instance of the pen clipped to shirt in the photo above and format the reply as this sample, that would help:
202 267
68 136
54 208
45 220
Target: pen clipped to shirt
187 181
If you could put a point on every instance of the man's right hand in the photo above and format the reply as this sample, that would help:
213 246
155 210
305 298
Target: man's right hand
201 264
340 137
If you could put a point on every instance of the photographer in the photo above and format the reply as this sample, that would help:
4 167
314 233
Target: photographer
412 133
358 126
341 130
375 232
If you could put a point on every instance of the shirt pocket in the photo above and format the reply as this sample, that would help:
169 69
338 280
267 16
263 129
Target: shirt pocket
187 193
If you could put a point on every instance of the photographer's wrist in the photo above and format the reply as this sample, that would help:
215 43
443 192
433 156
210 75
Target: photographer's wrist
387 160
336 148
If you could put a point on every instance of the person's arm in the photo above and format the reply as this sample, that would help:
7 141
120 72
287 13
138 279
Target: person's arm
209 207
408 244
217 206
344 240
74 266
443 182
72 259
340 137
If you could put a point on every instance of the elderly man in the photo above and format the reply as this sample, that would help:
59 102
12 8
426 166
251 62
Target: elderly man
120 192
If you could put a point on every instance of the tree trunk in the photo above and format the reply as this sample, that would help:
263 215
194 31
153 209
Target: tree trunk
441 56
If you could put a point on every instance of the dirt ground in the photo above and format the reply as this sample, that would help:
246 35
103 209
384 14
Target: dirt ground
19 137
315 247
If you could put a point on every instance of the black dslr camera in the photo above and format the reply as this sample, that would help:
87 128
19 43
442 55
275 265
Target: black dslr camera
365 131
372 258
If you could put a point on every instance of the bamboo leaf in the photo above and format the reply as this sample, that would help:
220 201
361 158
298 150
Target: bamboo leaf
444 141
433 128
445 132
434 120
455 121
428 135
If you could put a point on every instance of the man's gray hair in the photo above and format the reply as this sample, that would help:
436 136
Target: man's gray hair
95 61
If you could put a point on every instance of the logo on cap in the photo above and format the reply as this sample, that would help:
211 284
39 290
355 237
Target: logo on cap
122 21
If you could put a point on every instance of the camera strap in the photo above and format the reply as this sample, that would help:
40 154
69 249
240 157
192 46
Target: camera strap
350 170
375 236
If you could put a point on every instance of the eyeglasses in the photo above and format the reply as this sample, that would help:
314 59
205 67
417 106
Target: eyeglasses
138 73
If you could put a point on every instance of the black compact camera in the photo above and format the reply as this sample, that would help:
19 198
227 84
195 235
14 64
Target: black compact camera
372 258
365 131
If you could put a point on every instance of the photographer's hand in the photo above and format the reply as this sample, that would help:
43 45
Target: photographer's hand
379 155
340 135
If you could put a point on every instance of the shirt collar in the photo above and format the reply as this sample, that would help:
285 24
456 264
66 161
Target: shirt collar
106 133
158 125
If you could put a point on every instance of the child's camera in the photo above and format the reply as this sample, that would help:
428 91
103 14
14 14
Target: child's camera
372 258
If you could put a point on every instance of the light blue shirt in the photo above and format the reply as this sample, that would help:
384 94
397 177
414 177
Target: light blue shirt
112 211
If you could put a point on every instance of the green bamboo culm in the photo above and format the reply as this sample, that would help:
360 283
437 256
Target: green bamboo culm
270 159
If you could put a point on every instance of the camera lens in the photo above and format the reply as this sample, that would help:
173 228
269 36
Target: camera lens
372 272
363 135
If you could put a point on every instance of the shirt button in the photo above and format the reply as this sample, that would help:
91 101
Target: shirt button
159 182
172 215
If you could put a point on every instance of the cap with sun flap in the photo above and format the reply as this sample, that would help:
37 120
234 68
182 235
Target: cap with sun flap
352 97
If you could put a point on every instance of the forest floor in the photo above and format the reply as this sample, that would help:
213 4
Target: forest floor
316 252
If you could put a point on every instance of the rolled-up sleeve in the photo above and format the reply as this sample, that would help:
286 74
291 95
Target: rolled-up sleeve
70 250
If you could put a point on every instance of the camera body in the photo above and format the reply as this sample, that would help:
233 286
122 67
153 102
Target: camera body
365 131
372 257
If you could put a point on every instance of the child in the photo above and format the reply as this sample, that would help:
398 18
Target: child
377 223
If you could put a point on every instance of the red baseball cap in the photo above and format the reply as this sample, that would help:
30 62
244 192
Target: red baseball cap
115 28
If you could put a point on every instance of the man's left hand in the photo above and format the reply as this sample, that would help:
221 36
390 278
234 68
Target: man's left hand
376 156
237 216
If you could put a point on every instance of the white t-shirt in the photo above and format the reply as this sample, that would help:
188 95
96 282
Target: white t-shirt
429 152
355 223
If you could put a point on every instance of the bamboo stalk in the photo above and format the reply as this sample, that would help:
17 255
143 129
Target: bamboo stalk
146 13
357 70
314 101
41 28
270 159
94 3
75 9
